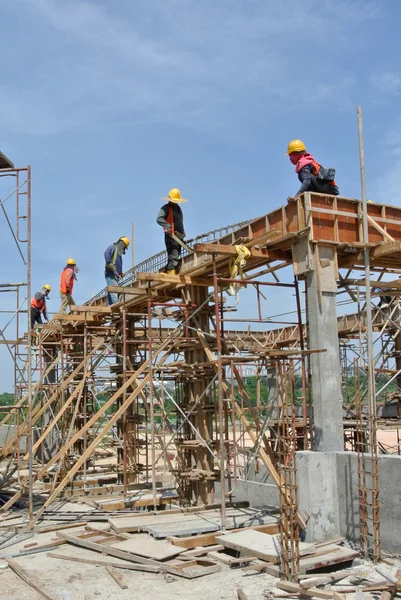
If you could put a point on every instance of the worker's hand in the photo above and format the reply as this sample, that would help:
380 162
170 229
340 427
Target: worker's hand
180 236
68 292
291 199
121 276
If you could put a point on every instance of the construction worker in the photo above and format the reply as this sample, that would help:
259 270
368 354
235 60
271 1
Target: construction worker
68 276
114 266
313 177
170 217
38 306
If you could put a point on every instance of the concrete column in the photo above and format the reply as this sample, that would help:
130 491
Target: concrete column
323 334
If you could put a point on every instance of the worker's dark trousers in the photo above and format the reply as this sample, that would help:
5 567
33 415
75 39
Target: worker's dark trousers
35 317
173 252
319 186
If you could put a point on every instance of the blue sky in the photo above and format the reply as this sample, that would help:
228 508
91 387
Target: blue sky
115 102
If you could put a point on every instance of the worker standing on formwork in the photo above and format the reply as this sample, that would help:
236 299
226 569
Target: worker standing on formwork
68 276
38 306
171 218
313 177
114 266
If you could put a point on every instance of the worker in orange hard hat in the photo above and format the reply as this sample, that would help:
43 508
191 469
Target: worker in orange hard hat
313 177
68 276
171 218
38 306
113 268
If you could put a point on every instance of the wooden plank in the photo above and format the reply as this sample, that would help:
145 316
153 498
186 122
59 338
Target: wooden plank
144 545
104 549
226 559
208 539
380 229
126 290
117 578
241 594
105 563
69 317
106 310
49 528
261 545
325 579
329 555
385 249
49 545
193 569
177 279
201 550
29 579
260 566
295 588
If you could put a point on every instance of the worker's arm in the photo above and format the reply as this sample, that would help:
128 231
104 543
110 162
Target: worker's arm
38 296
161 219
305 177
68 278
44 313
108 257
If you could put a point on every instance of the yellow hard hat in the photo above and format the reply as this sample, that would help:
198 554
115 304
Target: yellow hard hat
47 287
296 146
369 201
125 240
71 261
174 195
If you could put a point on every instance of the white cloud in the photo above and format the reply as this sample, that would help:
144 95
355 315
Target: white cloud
387 82
172 61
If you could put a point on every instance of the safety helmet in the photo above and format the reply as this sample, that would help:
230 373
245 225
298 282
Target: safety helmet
125 240
47 287
296 146
71 261
174 195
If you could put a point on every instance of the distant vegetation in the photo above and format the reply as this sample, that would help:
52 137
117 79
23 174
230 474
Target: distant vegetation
250 384
6 399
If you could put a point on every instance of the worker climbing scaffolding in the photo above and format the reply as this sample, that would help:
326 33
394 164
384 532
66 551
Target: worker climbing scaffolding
171 218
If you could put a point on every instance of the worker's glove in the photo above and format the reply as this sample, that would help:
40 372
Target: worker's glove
180 236
291 199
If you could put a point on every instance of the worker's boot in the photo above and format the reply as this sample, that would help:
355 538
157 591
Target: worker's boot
171 272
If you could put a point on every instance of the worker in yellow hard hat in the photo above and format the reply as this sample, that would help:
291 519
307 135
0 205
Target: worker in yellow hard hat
38 306
171 218
113 268
68 277
313 177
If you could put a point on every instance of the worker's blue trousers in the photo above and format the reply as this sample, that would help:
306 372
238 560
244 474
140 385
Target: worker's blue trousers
111 298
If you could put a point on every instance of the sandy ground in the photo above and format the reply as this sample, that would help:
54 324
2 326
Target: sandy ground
65 580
